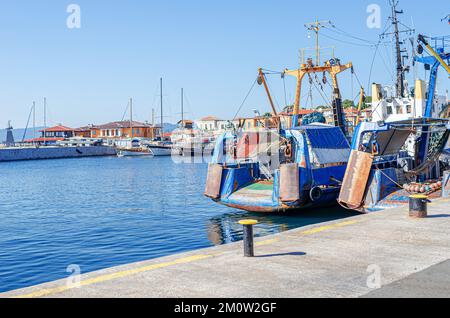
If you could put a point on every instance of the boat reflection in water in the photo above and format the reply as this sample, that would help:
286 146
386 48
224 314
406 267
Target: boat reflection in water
225 228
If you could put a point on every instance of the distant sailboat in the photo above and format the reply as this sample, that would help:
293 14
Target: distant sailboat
161 148
132 147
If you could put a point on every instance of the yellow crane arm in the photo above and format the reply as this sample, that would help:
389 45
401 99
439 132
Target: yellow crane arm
360 105
434 53
262 78
334 70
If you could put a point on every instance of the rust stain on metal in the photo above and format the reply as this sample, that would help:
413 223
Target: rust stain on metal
355 181
289 183
214 181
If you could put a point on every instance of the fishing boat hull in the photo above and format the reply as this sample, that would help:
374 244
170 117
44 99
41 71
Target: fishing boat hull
246 204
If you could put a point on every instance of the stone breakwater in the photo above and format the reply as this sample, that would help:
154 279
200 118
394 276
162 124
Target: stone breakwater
18 154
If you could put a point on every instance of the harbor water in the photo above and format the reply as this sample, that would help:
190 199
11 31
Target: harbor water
95 213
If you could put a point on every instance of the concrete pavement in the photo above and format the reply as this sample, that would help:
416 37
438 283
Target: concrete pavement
336 259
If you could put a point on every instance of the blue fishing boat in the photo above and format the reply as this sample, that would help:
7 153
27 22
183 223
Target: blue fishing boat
299 168
382 173
282 165
390 161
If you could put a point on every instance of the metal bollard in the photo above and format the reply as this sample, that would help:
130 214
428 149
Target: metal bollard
249 250
418 206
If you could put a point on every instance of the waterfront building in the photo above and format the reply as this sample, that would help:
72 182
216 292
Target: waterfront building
352 115
126 129
83 132
253 123
211 123
185 124
52 135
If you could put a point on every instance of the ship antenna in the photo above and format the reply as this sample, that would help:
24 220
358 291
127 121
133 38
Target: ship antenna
401 69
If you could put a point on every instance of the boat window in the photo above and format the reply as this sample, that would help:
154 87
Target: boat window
399 109
408 109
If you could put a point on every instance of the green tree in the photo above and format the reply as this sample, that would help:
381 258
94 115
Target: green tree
367 101
348 104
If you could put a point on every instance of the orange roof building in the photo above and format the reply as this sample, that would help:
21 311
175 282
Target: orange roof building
125 129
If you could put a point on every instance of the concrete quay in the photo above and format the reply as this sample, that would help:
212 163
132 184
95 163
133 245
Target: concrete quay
383 254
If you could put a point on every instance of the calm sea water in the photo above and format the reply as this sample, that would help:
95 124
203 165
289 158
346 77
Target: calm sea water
102 212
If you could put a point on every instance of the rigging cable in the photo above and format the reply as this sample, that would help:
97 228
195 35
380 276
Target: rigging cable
126 110
285 94
323 95
245 99
28 122
344 33
375 54
348 42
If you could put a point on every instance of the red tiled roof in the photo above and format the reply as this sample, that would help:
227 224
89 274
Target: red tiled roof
351 110
301 112
86 128
306 111
123 124
210 118
58 128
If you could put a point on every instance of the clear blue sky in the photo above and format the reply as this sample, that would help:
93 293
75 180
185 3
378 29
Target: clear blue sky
211 48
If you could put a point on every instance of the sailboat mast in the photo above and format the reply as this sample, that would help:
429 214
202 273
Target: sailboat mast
182 108
45 120
131 117
34 122
162 115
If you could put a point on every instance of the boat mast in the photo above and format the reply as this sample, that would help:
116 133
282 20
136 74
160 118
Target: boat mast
182 107
34 122
45 120
153 117
131 117
400 75
316 27
162 115
400 82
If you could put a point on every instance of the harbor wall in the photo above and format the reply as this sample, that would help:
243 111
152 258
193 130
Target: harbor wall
18 154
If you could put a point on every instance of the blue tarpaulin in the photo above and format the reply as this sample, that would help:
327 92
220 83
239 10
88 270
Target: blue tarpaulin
326 138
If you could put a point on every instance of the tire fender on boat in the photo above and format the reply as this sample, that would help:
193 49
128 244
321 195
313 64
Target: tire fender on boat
316 194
